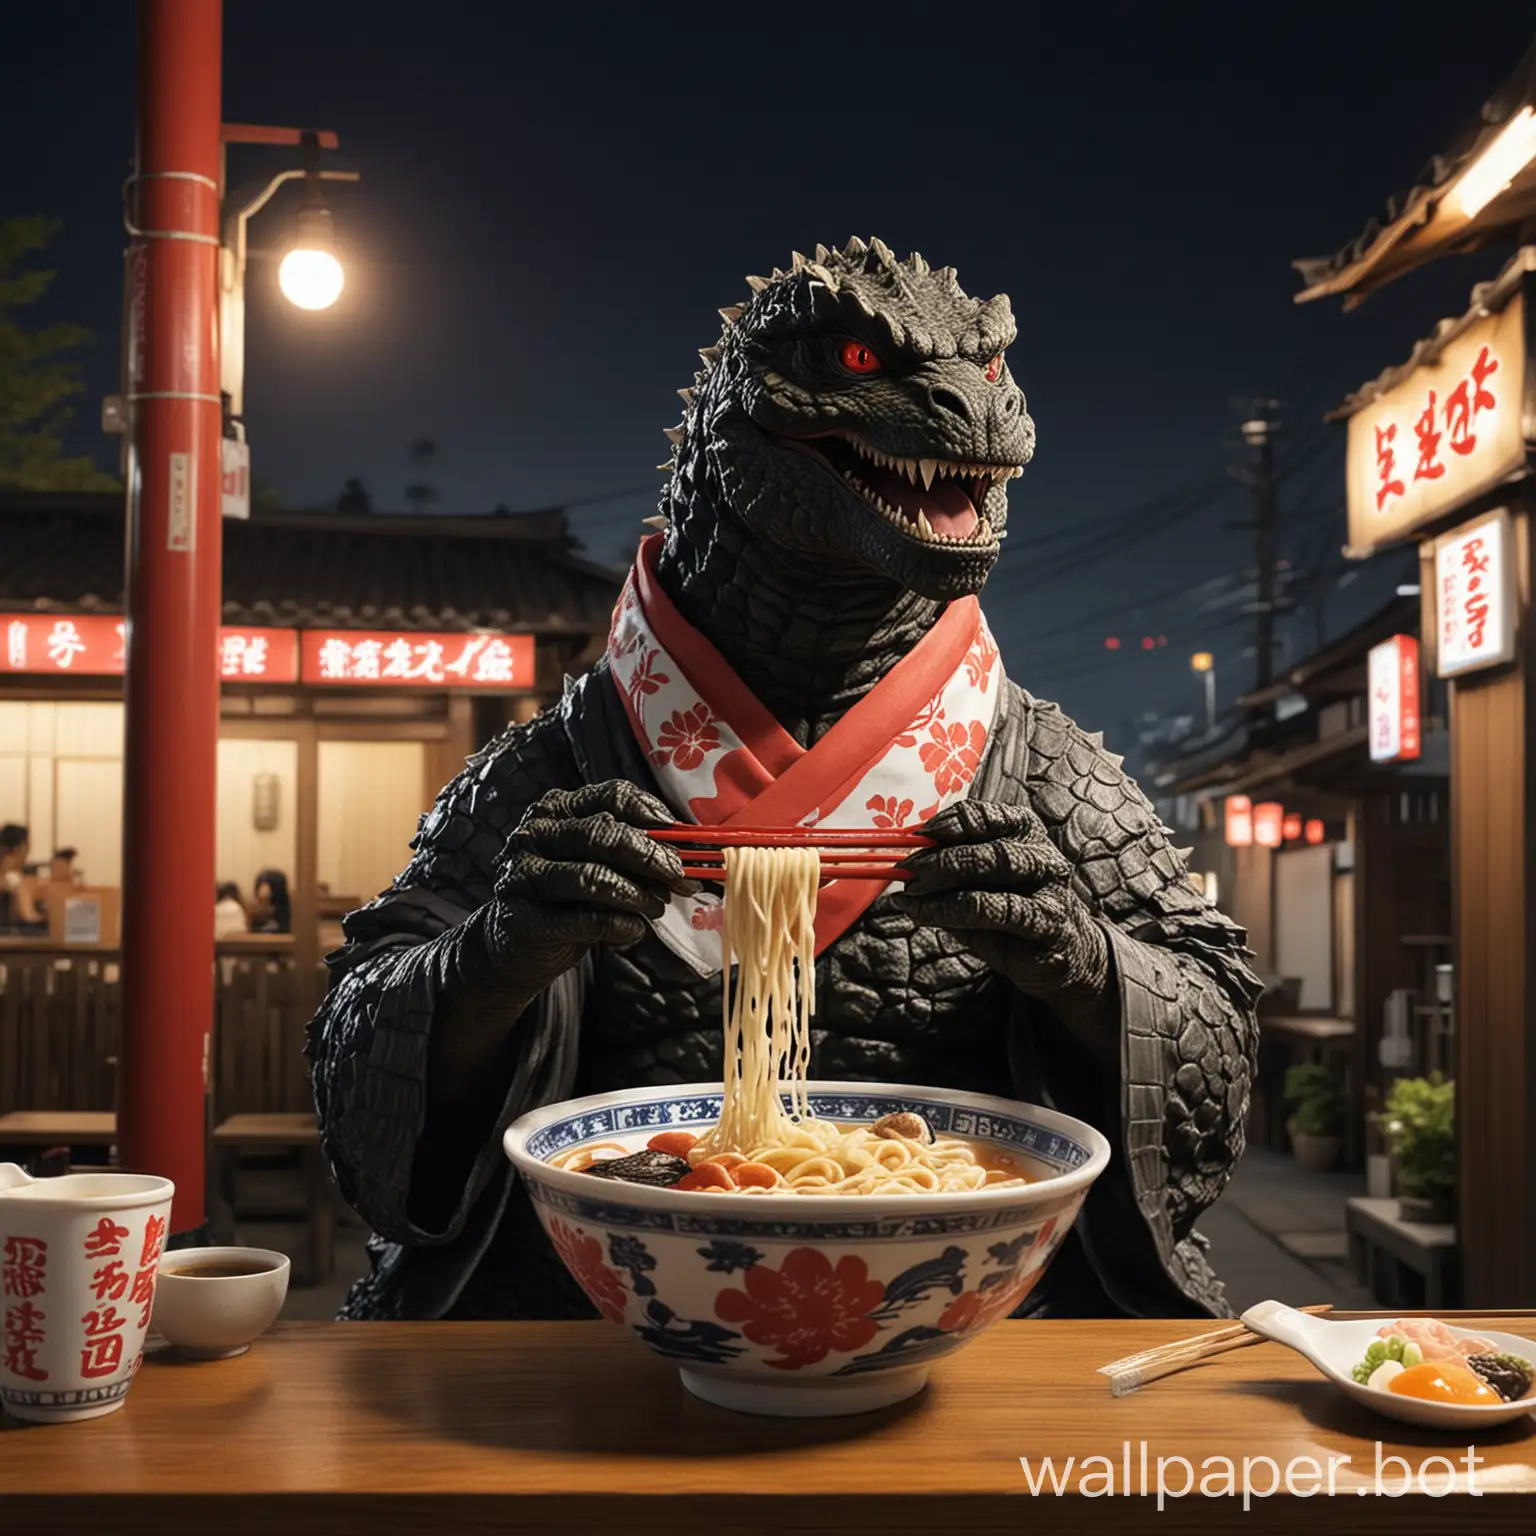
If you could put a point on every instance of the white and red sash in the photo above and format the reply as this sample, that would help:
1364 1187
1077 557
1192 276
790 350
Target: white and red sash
908 748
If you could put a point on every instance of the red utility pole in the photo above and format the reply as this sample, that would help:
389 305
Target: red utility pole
173 602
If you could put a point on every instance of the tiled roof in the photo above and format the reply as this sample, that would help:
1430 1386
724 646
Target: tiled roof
64 552
1389 244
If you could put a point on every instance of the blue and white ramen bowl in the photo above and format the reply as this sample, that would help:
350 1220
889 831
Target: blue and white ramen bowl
806 1305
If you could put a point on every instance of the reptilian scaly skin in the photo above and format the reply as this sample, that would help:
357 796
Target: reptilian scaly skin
1051 947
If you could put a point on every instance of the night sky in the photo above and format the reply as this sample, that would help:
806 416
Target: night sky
555 205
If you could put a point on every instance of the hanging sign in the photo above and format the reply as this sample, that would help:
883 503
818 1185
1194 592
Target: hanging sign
390 659
92 645
1445 432
1475 596
1239 821
235 498
1393 679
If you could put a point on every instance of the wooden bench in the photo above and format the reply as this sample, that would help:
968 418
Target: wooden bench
278 1133
1378 1234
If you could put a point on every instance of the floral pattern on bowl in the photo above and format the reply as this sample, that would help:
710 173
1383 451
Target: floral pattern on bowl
761 1297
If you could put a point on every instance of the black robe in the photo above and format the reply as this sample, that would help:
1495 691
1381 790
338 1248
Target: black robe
896 1003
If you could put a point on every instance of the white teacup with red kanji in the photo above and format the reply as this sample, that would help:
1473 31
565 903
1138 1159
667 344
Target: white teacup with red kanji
78 1262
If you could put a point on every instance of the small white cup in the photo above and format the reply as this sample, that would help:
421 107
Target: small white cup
215 1317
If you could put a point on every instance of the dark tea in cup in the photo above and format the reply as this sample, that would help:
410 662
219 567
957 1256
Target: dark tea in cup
222 1268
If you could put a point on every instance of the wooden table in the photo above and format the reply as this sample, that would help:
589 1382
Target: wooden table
368 1428
54 1128
1426 1248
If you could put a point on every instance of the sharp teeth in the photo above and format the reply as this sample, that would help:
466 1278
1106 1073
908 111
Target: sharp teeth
924 527
928 467
1001 474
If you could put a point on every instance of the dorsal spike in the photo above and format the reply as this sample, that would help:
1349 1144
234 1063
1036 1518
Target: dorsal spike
658 522
917 265
666 468
855 247
821 274
732 313
674 435
711 355
882 252
822 253
686 394
796 261
757 284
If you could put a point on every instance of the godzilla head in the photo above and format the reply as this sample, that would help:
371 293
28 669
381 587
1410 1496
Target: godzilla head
859 411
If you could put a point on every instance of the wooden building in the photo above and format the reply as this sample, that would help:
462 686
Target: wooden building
1439 455
1352 907
364 659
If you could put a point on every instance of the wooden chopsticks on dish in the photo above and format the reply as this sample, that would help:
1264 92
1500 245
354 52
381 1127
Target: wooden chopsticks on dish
845 854
1134 1371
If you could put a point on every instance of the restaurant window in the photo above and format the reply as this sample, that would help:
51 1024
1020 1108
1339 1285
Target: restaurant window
61 776
244 849
371 795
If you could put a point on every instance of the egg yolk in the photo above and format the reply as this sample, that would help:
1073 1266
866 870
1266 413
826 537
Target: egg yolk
1441 1381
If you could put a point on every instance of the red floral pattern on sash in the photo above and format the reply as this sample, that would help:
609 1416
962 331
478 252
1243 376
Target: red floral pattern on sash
952 754
686 738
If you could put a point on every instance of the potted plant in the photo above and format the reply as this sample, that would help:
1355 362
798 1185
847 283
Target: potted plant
1317 1116
1421 1130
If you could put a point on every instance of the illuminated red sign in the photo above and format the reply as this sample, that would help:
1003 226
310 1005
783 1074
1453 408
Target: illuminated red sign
391 658
91 645
259 655
1315 832
1239 821
1268 824
1291 827
1393 678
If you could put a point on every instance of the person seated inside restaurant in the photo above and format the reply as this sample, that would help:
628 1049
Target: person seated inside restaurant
229 915
19 910
272 912
61 867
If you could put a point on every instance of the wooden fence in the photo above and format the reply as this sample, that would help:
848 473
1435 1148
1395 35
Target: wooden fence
59 1027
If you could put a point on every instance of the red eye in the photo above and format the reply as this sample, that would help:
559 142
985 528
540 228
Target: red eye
994 369
857 358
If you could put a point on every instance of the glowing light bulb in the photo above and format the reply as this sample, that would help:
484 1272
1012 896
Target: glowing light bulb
311 279
1499 164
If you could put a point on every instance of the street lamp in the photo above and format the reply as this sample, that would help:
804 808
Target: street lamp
310 276
1203 661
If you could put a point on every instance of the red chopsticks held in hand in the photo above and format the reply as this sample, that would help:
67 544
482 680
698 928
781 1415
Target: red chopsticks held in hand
845 854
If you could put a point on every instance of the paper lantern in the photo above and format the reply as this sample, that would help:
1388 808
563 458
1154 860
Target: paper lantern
1291 827
1315 832
1239 821
1268 824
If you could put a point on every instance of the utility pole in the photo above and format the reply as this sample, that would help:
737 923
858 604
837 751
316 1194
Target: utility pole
1259 433
172 608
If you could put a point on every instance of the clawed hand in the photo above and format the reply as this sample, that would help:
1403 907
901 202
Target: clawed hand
997 877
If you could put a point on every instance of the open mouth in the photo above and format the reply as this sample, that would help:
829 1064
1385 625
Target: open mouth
938 501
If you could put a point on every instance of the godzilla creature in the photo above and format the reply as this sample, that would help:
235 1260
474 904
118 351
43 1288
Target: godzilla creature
838 487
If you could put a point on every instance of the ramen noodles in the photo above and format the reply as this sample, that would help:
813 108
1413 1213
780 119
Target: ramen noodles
767 1138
